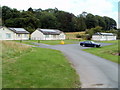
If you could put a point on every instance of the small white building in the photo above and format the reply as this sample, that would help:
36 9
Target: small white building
13 33
47 34
104 36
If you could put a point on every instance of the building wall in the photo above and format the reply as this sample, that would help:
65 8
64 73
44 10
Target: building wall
21 36
37 35
103 38
6 34
62 36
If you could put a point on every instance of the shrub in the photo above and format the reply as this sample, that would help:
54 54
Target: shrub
93 31
78 36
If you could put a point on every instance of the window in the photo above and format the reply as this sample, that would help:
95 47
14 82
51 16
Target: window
19 35
61 36
8 35
25 35
46 36
54 36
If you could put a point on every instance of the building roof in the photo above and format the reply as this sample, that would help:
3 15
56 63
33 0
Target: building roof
19 30
50 31
105 34
1 27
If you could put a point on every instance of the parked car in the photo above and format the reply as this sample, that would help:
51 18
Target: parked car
89 44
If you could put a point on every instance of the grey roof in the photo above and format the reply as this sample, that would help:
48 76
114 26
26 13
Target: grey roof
1 26
19 30
50 31
105 34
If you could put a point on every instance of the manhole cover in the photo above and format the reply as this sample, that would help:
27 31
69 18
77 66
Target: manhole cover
97 84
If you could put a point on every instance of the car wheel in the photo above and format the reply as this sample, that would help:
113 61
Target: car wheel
95 45
83 45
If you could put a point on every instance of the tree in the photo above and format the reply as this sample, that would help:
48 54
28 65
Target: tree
54 19
110 23
65 21
0 16
91 21
101 22
30 10
81 23
93 30
48 20
6 13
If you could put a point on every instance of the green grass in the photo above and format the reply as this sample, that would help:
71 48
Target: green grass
108 52
25 42
37 68
56 42
50 42
113 41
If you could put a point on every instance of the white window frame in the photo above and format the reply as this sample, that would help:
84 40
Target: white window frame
18 35
8 35
25 35
47 36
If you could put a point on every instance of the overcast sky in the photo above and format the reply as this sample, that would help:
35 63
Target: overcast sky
97 7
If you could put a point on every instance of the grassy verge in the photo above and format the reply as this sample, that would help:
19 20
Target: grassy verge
108 52
29 42
50 42
56 42
32 67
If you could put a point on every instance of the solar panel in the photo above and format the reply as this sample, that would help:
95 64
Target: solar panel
107 33
19 29
48 30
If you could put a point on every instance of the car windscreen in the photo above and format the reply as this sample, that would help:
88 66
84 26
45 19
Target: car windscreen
92 42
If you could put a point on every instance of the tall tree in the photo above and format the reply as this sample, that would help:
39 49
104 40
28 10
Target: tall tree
101 22
54 18
65 20
30 10
79 23
48 20
91 21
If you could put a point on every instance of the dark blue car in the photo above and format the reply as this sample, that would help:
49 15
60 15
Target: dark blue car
89 44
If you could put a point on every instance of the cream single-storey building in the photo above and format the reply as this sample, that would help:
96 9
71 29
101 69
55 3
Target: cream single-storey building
104 36
13 33
47 34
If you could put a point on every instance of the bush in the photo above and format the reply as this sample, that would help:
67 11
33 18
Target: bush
93 31
78 36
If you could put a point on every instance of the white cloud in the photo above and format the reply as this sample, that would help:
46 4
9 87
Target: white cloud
96 7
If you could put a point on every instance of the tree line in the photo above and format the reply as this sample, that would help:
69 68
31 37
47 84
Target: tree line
54 19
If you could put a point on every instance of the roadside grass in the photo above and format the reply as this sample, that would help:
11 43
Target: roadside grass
12 49
108 52
51 42
113 41
57 42
33 67
25 42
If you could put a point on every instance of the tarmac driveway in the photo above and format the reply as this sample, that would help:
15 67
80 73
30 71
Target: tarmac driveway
94 72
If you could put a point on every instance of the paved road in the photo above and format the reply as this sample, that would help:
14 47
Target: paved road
95 72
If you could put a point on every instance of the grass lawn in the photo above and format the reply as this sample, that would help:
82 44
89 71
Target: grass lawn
108 52
33 67
56 42
25 42
51 42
